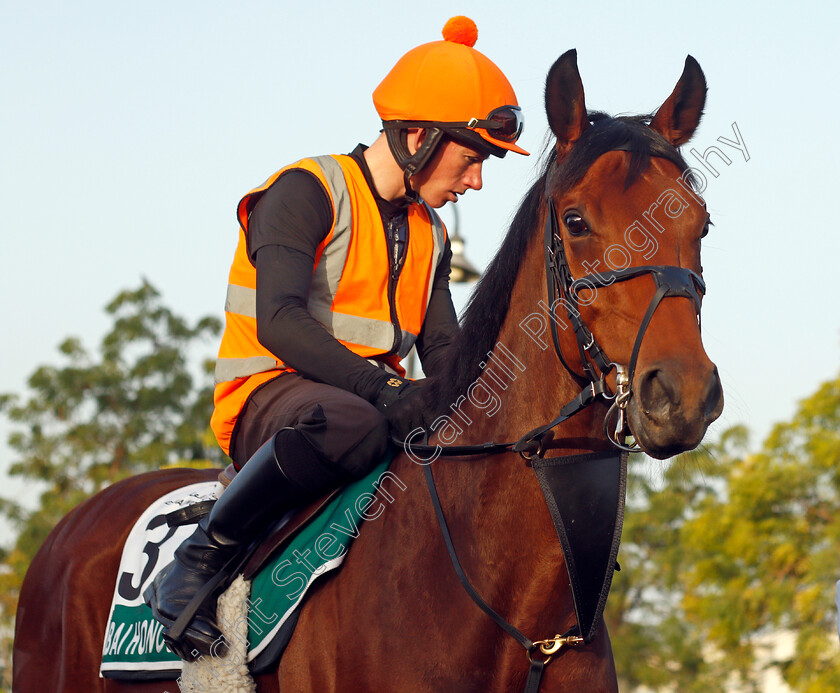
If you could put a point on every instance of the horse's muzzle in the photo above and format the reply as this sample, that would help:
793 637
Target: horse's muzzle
672 407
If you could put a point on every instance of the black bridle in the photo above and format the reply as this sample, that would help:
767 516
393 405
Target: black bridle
563 289
670 281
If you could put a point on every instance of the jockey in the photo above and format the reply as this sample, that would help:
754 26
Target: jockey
342 266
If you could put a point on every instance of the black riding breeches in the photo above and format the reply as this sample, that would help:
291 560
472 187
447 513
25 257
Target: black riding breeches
347 433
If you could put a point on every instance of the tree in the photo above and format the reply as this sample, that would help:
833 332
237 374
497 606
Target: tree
731 548
654 644
139 404
765 556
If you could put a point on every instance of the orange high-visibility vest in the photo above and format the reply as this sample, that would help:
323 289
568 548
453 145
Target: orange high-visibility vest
349 291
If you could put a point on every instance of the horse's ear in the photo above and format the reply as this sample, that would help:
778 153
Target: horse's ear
564 102
679 116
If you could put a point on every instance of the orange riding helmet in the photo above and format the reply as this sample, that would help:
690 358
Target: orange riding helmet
448 87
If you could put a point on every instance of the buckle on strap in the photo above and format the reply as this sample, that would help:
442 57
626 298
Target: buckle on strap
189 514
551 646
537 446
596 388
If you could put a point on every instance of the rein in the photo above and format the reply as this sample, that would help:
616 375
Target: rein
562 289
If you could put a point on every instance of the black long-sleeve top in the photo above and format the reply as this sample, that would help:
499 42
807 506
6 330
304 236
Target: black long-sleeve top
286 227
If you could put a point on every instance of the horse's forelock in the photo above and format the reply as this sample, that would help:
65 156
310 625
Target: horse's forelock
608 133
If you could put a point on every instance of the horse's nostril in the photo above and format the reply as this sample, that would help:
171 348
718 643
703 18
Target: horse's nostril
713 402
657 392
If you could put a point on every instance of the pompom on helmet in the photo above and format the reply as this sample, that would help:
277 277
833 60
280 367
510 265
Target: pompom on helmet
448 88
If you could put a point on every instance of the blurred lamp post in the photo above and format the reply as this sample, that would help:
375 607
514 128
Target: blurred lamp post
462 272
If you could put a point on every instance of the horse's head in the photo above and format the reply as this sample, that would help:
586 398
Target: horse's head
623 199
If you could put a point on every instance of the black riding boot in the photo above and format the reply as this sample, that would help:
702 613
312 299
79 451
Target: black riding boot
259 495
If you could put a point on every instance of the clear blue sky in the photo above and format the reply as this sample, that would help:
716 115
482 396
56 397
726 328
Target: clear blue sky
128 132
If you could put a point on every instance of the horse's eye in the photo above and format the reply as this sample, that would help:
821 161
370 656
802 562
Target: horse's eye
706 229
576 225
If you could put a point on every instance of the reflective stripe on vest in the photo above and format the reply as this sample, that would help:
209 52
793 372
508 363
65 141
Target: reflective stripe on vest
230 369
243 301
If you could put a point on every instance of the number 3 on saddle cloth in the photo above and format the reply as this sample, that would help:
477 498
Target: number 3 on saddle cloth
302 547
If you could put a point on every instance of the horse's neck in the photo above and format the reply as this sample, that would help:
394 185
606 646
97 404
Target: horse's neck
498 514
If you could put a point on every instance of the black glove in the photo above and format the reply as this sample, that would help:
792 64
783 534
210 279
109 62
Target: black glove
402 403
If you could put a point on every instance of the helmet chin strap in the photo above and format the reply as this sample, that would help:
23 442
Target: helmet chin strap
397 137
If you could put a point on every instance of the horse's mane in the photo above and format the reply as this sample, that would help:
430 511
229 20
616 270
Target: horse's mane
487 307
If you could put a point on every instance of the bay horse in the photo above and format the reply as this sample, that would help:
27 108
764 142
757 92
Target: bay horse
614 198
